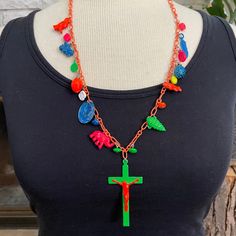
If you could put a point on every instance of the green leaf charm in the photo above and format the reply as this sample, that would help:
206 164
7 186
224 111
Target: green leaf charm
154 123
116 150
133 150
74 67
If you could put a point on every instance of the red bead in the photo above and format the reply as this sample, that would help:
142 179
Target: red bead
182 56
182 26
67 37
161 105
77 85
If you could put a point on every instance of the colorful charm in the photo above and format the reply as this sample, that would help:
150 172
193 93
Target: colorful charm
181 56
67 37
179 71
182 26
86 112
183 44
66 49
125 181
172 87
154 123
62 25
77 85
133 150
100 139
74 67
116 150
161 105
95 122
82 95
174 80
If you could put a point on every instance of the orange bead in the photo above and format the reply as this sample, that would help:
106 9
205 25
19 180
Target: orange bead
77 85
161 105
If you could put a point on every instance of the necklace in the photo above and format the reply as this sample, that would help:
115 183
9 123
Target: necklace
88 113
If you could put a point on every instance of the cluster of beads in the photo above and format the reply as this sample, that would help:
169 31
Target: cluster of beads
86 112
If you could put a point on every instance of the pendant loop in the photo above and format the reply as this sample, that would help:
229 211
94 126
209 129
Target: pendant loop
124 154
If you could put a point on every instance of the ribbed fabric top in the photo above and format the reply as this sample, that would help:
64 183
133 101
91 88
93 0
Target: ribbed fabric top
63 173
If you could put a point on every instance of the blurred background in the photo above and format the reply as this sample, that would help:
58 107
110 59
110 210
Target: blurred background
16 216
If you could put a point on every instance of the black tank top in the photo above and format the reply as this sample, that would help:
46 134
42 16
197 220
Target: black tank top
64 174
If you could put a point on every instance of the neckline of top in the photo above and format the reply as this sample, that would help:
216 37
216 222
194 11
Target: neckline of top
99 92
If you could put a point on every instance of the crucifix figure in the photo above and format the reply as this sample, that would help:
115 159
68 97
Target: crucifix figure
125 181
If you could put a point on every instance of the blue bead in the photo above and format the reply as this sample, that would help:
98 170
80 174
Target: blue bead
95 122
86 112
66 49
179 71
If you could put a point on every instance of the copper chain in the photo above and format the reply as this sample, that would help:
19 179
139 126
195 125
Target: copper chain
162 92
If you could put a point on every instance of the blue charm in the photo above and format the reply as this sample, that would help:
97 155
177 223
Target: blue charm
179 71
95 122
183 44
66 49
86 112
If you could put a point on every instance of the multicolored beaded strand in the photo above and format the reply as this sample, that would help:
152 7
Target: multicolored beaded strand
88 113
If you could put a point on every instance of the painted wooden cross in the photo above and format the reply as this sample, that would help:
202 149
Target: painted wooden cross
125 181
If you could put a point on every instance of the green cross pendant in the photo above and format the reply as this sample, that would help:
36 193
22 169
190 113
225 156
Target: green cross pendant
125 181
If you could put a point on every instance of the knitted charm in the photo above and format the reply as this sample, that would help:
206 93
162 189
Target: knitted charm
154 123
86 112
62 25
100 139
171 86
66 49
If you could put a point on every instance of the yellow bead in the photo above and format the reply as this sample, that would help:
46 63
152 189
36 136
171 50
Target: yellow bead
174 80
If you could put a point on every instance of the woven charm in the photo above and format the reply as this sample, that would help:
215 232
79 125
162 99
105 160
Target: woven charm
154 123
101 139
125 181
86 112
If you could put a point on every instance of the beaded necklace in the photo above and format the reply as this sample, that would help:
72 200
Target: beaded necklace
88 113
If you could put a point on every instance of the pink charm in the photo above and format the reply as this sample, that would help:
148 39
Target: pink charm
100 139
182 26
182 56
67 37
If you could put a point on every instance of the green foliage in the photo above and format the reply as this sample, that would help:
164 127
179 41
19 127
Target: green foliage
217 8
223 8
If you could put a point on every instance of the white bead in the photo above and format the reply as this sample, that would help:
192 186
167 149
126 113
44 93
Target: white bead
82 95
